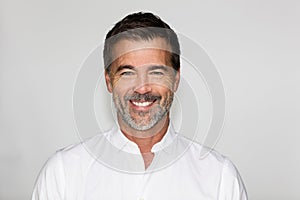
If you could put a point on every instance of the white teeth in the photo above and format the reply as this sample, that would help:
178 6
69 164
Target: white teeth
142 104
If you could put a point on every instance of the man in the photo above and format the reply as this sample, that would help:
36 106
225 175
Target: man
142 157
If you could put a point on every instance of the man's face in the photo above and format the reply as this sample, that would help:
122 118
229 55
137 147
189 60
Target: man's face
142 82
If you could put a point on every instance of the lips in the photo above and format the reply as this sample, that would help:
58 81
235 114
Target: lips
142 101
142 104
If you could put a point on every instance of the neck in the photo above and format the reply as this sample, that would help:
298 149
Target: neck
146 139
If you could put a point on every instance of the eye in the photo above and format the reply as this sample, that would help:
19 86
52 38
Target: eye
157 73
127 73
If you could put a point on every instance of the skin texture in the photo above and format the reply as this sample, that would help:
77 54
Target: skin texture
142 83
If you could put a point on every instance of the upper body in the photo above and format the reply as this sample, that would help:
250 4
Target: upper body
82 172
143 157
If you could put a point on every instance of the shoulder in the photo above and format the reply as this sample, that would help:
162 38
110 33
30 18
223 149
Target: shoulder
215 166
206 158
201 152
84 150
65 168
77 155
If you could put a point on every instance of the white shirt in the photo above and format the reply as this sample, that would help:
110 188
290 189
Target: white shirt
109 166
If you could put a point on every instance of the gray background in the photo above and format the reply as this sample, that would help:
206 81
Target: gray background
254 44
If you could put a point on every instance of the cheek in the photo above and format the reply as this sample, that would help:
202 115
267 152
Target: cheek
120 91
165 93
123 84
118 85
167 82
165 85
115 82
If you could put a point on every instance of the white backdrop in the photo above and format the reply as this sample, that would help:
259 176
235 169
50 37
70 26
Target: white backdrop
254 44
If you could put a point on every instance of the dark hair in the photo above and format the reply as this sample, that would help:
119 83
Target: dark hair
141 26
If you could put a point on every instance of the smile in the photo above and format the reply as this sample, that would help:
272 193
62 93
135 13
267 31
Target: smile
142 104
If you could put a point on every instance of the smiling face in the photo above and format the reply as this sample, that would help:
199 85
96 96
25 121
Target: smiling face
142 82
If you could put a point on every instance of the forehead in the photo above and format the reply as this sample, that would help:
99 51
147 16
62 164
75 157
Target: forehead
143 52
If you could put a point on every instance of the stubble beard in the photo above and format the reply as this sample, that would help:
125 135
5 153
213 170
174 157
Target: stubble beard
145 120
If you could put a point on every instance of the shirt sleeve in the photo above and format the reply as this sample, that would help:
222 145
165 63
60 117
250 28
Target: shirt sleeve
231 185
50 182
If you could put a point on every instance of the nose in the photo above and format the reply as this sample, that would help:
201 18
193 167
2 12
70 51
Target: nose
142 85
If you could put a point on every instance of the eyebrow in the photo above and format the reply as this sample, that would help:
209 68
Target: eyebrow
151 68
156 67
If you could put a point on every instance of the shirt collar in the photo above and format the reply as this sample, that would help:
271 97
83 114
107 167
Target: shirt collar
120 141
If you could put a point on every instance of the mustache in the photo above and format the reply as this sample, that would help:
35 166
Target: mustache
142 97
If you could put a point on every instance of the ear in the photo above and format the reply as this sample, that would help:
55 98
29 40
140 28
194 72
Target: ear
108 82
177 80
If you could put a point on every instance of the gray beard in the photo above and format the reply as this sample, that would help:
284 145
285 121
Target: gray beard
142 125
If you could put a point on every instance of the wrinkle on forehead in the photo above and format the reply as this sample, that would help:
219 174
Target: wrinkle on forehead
145 57
126 46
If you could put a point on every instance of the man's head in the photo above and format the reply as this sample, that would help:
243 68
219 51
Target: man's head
141 56
141 26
